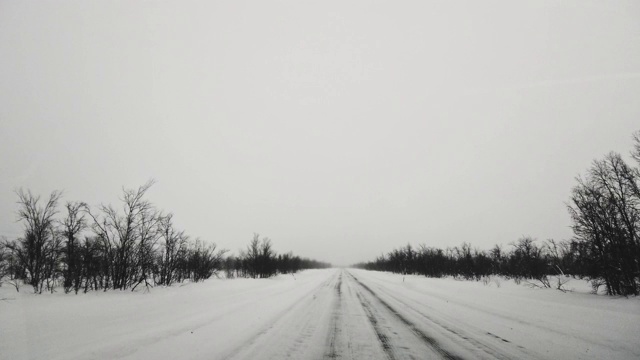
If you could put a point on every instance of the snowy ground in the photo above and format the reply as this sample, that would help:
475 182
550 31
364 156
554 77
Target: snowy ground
335 313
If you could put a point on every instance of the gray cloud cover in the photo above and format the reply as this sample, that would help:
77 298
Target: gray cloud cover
338 129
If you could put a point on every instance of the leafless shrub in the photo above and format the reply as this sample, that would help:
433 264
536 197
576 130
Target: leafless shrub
36 252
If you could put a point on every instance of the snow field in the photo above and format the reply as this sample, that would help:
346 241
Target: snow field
331 314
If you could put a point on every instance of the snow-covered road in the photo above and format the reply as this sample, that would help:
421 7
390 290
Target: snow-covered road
366 315
342 319
321 314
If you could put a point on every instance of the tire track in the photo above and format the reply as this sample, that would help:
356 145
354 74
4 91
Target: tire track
382 338
317 307
308 327
335 330
426 339
460 334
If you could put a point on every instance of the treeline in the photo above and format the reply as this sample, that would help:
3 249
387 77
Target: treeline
524 259
605 211
122 248
259 260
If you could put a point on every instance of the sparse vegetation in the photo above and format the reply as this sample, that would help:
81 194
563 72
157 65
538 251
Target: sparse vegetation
605 210
260 260
121 248
524 260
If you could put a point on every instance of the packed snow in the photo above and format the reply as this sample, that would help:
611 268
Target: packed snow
332 313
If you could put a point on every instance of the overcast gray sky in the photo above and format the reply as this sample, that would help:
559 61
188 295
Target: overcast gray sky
339 129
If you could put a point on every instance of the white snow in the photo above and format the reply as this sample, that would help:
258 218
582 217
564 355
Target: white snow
330 313
543 323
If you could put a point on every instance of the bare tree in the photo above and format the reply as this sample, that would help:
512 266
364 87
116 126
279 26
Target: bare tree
174 246
267 259
252 257
35 250
202 261
72 226
605 211
148 236
119 234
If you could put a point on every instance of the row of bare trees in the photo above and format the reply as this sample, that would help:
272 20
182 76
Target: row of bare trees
260 260
523 259
605 211
104 248
122 247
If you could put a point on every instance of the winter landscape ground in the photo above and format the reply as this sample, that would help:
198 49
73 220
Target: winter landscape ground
330 314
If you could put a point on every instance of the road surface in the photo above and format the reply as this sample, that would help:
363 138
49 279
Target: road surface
347 317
